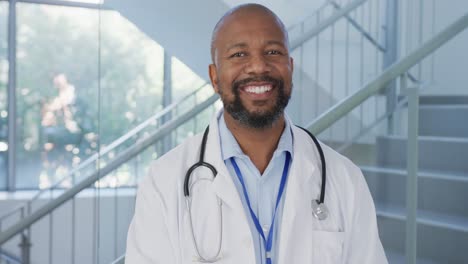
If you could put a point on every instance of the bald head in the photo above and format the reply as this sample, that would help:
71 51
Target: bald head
237 14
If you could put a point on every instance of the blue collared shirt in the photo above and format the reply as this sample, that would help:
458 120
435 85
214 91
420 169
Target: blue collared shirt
262 189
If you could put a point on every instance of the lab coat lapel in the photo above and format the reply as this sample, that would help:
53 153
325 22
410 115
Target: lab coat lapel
223 185
303 186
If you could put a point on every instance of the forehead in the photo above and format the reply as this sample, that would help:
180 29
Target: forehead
250 27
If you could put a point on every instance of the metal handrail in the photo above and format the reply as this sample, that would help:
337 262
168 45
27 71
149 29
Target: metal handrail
116 143
346 105
9 258
120 159
119 260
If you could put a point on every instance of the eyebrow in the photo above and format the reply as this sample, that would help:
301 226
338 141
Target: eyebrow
237 45
276 42
243 45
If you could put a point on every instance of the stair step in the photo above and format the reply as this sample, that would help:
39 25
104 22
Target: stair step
395 257
433 153
443 99
441 238
443 120
388 186
425 217
457 177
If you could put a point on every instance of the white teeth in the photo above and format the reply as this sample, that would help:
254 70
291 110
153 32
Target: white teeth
258 89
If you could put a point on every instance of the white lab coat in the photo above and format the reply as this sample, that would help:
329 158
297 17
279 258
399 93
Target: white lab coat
159 232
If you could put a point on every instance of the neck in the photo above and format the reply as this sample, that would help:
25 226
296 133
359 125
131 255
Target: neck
257 143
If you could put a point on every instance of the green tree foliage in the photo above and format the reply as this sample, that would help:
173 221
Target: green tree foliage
116 71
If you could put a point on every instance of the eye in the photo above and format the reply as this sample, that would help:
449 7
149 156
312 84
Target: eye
273 52
238 55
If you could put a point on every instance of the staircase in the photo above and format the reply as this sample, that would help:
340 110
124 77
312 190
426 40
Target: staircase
442 215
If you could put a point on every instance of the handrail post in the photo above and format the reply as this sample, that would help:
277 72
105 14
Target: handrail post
390 56
12 116
25 244
412 168
166 143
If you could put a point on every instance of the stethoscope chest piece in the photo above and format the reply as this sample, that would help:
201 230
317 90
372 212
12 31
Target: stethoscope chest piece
319 210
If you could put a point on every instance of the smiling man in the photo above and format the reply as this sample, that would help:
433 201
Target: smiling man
250 189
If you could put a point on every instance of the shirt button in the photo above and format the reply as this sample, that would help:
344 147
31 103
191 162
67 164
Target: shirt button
265 228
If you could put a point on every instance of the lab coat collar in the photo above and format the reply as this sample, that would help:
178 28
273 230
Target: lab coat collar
223 185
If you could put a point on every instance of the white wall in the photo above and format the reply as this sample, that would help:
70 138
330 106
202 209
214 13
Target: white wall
183 28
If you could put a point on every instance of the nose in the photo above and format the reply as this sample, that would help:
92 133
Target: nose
257 64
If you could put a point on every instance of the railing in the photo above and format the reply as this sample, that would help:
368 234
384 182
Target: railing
336 58
398 71
91 161
119 260
393 72
367 44
107 154
119 159
9 258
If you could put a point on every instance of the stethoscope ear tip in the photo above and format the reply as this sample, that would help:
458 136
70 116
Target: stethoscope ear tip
319 210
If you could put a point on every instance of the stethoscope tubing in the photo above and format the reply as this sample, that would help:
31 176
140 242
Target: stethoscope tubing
202 163
322 162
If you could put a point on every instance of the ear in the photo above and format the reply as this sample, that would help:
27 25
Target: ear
213 72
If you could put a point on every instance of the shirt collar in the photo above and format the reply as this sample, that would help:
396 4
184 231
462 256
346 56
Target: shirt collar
230 147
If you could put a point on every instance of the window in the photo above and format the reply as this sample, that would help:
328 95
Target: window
81 85
57 83
132 80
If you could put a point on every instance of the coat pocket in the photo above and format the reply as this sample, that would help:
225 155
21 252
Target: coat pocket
327 247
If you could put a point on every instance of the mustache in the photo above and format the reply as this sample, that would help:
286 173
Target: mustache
264 78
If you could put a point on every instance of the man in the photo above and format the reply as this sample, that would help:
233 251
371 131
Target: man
258 207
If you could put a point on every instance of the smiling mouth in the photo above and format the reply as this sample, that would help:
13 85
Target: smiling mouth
258 89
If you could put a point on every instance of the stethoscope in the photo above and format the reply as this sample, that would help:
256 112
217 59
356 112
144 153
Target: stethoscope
319 209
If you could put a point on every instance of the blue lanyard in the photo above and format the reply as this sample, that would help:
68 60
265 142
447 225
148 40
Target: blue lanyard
269 240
